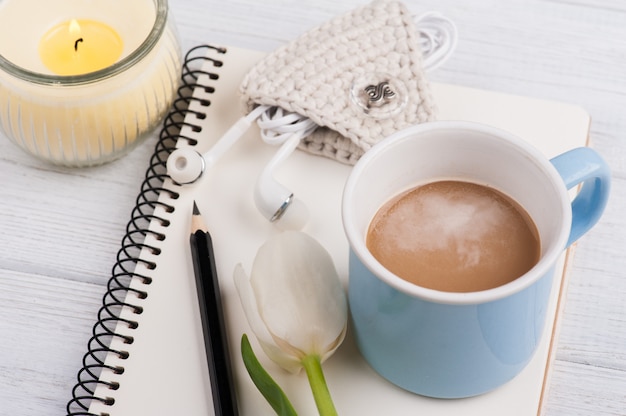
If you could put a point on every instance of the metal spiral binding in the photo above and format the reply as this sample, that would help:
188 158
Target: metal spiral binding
133 242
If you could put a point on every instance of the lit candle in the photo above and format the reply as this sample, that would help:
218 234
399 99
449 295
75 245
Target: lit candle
66 113
80 46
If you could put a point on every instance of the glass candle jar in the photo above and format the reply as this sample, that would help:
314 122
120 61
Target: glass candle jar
83 82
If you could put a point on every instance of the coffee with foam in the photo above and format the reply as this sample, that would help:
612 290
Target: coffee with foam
454 236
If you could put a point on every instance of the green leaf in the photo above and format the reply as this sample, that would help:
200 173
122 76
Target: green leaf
264 382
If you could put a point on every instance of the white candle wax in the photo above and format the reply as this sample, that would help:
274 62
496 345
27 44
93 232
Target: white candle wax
92 118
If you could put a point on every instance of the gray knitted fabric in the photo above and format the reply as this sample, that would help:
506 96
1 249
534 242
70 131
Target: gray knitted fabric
321 74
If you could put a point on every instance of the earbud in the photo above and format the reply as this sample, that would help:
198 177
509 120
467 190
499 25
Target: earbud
273 200
185 165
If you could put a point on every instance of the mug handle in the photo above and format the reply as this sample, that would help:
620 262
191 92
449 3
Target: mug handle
585 165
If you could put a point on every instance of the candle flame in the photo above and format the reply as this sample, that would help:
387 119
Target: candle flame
74 27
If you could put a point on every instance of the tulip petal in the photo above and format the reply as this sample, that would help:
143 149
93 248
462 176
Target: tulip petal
249 304
298 293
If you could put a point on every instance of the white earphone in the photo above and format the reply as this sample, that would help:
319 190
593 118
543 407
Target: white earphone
185 165
275 202
438 38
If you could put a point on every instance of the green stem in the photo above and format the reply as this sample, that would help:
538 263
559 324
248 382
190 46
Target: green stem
313 367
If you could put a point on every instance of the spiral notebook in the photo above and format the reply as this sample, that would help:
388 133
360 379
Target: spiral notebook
146 356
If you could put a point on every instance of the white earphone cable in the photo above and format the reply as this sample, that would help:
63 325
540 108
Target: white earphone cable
278 125
438 38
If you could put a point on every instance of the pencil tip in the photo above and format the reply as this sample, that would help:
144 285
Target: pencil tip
197 223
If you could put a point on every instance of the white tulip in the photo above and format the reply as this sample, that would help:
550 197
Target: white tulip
293 300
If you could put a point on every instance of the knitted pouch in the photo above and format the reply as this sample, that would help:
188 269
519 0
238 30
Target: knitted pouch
359 77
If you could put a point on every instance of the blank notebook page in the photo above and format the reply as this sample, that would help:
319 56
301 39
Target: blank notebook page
165 373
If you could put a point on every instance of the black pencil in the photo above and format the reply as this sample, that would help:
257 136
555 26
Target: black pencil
212 317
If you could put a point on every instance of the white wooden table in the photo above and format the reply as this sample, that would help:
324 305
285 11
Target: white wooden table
60 228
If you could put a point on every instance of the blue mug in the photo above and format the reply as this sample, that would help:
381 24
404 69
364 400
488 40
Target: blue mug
453 345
